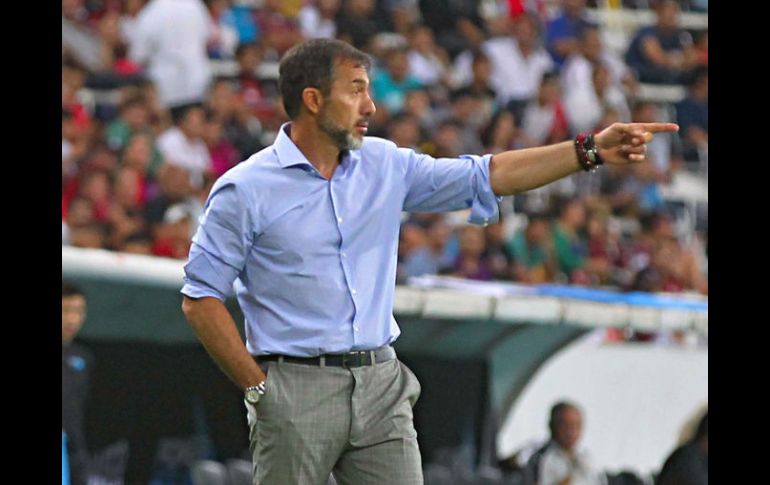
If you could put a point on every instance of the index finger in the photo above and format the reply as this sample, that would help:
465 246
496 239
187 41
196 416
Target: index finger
656 127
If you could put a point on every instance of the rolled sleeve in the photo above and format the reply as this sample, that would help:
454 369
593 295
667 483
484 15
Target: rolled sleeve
445 184
220 246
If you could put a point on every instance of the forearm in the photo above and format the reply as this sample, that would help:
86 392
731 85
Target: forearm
517 171
215 328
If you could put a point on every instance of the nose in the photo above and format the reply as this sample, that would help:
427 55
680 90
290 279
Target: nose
368 108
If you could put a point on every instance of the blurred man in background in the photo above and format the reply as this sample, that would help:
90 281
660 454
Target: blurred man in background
76 363
560 462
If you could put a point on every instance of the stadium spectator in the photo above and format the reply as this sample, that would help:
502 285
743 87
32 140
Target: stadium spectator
443 243
240 125
80 214
693 115
76 364
278 26
466 110
133 119
391 84
257 94
518 64
585 108
470 262
607 257
456 24
92 236
183 144
418 104
223 154
80 42
564 31
141 155
569 245
74 145
359 20
137 243
578 69
173 233
662 53
174 187
545 118
532 251
223 35
316 20
479 84
404 130
501 133
170 43
445 142
428 62
129 12
496 253
414 254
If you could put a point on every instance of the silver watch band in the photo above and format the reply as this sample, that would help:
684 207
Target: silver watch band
260 388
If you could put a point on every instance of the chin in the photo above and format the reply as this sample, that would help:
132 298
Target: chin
355 142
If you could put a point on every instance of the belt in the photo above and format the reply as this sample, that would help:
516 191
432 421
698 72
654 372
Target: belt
347 360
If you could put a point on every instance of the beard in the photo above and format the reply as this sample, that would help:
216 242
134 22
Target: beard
342 138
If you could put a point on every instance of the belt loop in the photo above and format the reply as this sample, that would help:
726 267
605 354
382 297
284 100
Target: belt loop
280 359
322 361
372 356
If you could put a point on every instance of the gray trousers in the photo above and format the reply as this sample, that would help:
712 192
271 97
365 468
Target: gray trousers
356 422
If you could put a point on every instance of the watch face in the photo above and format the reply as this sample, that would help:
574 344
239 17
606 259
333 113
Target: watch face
252 396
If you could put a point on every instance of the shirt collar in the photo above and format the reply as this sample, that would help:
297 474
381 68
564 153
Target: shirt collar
290 156
287 152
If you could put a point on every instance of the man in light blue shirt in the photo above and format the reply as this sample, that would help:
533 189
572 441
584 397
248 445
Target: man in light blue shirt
306 233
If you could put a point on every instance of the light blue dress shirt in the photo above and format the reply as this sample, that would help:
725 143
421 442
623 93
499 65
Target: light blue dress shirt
313 261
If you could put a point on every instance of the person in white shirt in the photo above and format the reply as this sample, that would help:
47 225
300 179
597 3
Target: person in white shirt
183 143
518 62
577 72
428 62
561 462
586 107
169 39
316 21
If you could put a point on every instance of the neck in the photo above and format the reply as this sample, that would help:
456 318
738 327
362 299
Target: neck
316 145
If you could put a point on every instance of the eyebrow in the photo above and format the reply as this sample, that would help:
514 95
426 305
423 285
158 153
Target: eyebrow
360 81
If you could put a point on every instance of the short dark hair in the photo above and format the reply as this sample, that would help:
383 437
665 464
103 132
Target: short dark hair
311 64
556 412
69 289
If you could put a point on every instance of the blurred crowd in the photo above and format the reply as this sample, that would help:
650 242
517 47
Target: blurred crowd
161 97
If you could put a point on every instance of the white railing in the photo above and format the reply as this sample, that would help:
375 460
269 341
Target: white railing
432 297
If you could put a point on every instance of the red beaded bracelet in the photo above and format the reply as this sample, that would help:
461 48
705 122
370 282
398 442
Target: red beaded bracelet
587 153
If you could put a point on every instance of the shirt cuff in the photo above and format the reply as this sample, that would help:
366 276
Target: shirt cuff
484 208
206 276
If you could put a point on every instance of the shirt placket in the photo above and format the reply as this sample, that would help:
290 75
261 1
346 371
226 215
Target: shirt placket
342 224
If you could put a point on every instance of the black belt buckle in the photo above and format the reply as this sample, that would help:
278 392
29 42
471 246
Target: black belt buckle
354 359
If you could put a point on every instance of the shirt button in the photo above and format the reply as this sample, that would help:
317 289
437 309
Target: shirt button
353 291
339 219
356 328
344 255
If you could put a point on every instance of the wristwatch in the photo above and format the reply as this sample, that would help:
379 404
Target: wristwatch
254 393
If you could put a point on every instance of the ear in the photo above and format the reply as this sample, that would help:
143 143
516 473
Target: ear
312 99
